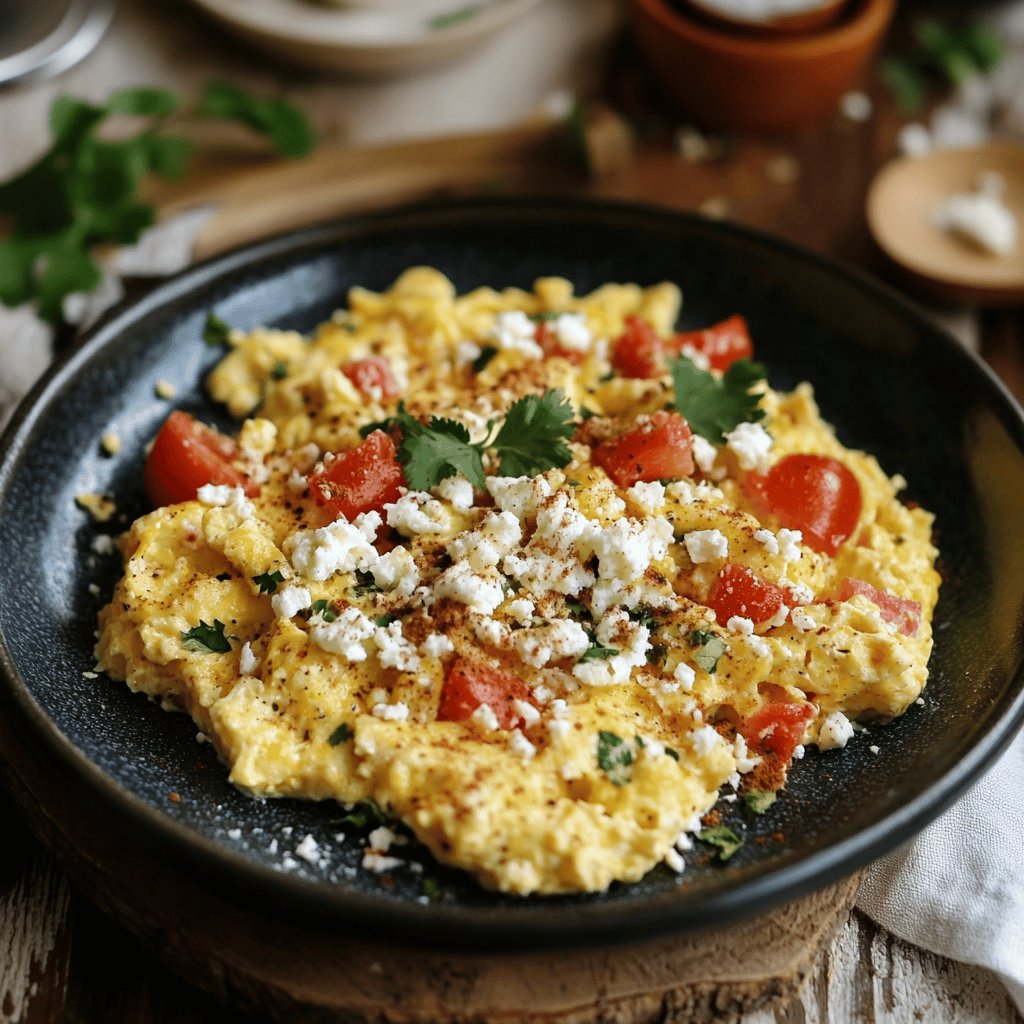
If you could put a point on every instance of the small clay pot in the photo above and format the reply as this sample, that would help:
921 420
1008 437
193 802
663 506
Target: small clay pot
811 20
727 80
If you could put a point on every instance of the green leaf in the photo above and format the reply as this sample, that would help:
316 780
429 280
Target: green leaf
432 889
279 370
366 812
759 801
710 647
71 119
365 584
268 581
597 651
324 609
482 361
672 752
532 438
142 101
984 44
341 735
436 451
282 122
169 155
713 407
644 616
615 757
724 838
66 271
216 331
576 609
16 259
441 21
385 620
204 637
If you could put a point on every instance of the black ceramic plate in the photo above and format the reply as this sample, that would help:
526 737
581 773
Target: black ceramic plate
888 380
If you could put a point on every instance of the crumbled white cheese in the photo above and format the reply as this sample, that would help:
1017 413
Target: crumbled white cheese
378 863
497 535
519 495
231 497
705 740
247 661
345 635
779 618
802 620
685 493
650 497
522 610
102 544
606 594
836 731
561 526
745 761
395 650
308 850
514 331
630 639
490 631
559 728
520 745
572 332
739 624
706 546
480 593
751 444
396 572
684 675
626 548
801 593
457 491
417 513
484 716
769 541
436 645
705 454
564 638
674 860
397 712
789 545
527 712
340 547
290 601
541 573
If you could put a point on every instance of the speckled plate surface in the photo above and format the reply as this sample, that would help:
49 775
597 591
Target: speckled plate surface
888 380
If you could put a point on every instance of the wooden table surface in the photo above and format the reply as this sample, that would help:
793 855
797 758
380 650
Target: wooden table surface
60 959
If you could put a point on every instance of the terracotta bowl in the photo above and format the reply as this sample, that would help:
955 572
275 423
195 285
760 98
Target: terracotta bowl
725 80
817 17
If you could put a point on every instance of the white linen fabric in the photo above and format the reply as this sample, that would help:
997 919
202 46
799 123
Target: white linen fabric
958 888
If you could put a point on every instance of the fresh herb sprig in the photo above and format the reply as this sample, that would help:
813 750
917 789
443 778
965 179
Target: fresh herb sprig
531 439
711 406
722 837
206 638
84 191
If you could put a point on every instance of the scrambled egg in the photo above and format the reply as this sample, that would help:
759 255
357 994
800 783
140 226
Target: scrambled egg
338 638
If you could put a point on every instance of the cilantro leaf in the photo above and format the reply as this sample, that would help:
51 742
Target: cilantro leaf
341 735
713 407
615 757
438 450
283 122
324 609
366 812
710 646
724 838
365 583
758 801
534 433
279 370
215 330
207 638
268 581
142 101
643 615
597 651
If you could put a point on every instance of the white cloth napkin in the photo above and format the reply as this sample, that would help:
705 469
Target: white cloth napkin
958 888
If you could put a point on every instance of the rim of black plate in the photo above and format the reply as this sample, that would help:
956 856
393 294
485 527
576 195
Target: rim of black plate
529 927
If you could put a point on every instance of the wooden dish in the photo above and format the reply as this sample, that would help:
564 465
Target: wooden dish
729 81
900 209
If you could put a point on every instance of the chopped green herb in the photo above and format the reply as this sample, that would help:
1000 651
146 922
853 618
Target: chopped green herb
279 370
672 752
324 609
365 584
615 757
724 838
713 407
546 317
348 325
605 377
215 330
441 21
432 889
366 812
531 439
710 647
341 735
268 581
576 608
759 801
385 620
656 654
643 615
207 638
368 428
482 361
597 651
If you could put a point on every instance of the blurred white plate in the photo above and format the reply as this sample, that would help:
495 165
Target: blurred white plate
370 39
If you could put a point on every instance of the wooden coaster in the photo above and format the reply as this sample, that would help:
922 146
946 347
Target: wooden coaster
303 974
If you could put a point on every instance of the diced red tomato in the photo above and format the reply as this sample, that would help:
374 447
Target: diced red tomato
551 346
361 480
739 591
903 613
722 344
812 493
370 374
639 351
660 448
187 454
777 728
470 684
